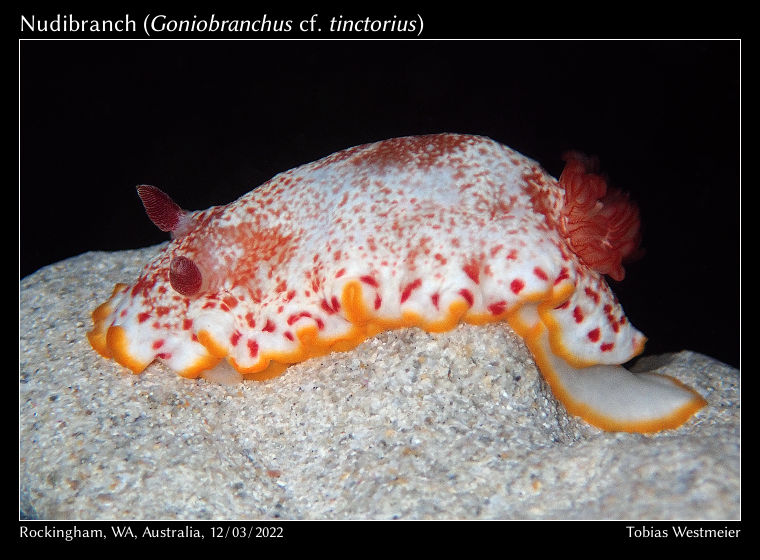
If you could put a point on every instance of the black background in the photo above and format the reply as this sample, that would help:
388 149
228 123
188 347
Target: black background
206 121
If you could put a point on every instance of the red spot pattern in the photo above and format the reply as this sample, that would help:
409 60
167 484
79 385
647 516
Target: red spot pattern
267 246
467 295
422 152
535 186
614 323
394 248
578 314
369 280
564 274
498 308
409 288
295 317
516 286
540 273
250 320
592 294
473 271
326 307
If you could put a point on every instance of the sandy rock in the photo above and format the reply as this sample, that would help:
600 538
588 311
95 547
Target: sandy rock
408 425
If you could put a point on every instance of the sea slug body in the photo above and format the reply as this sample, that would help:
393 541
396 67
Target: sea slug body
423 231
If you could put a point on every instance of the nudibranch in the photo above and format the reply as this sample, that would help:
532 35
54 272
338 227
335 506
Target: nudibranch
421 231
